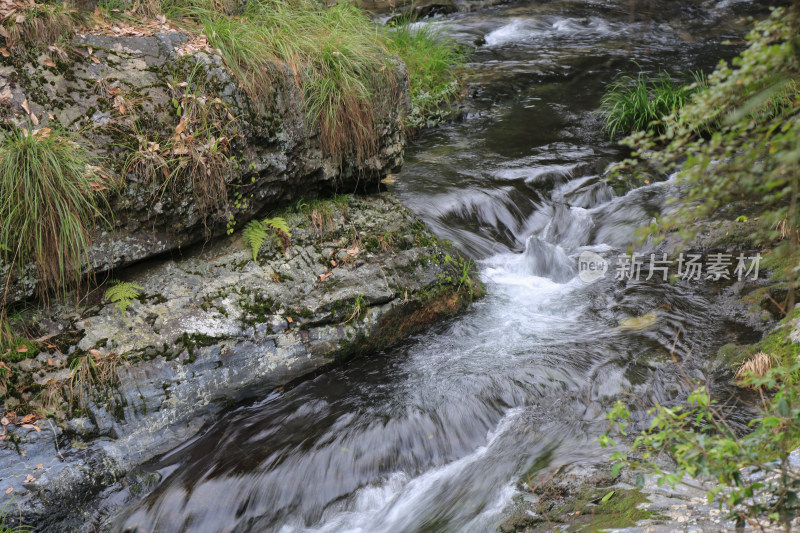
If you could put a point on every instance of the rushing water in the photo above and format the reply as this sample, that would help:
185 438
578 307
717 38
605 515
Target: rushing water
433 434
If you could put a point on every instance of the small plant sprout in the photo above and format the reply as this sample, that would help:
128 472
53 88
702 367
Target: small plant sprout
122 294
256 233
359 308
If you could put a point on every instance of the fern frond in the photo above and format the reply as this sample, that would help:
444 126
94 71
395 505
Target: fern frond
254 235
258 231
122 294
278 224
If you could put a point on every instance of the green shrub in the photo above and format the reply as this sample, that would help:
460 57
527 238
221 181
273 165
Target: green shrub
48 204
433 62
641 103
735 144
755 480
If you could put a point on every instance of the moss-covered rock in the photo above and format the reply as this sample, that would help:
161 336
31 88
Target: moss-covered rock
150 109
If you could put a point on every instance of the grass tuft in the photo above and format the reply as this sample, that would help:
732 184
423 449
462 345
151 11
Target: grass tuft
640 103
48 203
434 62
332 54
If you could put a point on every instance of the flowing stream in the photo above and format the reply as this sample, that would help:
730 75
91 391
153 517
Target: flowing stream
433 434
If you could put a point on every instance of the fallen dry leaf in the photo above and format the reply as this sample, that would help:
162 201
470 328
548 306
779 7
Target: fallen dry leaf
29 479
289 319
4 52
4 421
354 251
50 362
9 490
323 277
25 106
22 348
39 466
31 426
27 419
97 354
34 119
49 63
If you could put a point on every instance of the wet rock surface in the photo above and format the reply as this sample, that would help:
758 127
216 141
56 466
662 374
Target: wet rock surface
212 329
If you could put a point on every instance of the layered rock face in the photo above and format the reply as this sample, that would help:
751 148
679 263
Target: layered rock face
212 329
131 97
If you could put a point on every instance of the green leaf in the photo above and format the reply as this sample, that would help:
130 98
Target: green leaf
607 497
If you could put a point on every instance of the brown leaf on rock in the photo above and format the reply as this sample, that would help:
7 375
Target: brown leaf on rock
9 490
29 479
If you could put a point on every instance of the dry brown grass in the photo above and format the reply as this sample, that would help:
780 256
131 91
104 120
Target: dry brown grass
91 374
37 24
756 366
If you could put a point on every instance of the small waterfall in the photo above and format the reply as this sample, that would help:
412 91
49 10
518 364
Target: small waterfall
569 227
548 260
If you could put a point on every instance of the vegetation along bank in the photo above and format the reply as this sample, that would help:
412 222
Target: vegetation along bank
178 226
